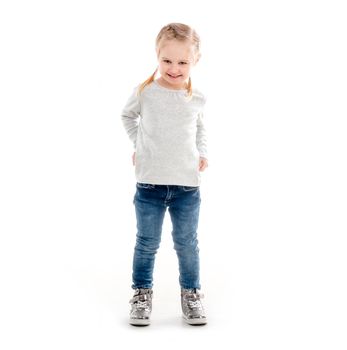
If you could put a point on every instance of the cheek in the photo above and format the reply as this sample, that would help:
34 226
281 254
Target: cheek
162 66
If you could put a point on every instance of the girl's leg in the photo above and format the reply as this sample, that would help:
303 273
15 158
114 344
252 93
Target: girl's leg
150 212
184 212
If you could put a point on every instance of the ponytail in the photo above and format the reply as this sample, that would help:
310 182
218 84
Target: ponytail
189 88
147 82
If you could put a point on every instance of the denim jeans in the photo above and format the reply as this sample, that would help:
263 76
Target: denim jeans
150 203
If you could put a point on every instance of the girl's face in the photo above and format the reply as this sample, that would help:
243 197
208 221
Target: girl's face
176 59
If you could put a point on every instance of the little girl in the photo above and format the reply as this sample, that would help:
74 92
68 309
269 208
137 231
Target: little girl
164 119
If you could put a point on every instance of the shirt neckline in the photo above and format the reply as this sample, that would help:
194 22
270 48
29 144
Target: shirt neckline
168 89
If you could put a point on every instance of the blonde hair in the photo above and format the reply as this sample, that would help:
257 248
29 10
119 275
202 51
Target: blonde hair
181 32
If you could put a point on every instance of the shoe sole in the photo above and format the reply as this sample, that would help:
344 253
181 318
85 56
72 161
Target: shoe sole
195 321
140 322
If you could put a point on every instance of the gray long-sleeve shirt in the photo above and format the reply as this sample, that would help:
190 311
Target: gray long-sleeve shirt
168 135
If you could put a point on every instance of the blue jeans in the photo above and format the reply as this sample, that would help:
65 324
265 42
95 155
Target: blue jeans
150 203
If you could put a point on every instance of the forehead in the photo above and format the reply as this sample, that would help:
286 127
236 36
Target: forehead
176 50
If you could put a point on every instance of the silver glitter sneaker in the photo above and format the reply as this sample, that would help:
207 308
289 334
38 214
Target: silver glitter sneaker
192 308
141 307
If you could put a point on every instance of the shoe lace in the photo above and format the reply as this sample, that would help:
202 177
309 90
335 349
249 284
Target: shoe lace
141 305
141 301
195 304
193 300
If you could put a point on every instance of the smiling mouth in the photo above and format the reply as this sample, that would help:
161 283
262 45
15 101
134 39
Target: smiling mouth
174 77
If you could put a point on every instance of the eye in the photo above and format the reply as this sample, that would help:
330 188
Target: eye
183 62
167 61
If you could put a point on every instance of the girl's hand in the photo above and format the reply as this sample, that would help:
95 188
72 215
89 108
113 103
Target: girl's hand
134 158
203 164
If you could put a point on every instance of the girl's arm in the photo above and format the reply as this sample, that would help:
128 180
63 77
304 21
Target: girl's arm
201 137
130 116
201 142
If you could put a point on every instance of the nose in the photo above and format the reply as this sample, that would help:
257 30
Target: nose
174 70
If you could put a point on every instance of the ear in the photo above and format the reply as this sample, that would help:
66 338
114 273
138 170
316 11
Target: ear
197 58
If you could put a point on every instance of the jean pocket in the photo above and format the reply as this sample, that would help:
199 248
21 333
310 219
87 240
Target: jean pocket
145 186
189 188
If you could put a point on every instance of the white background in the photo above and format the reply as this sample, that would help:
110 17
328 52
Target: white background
273 216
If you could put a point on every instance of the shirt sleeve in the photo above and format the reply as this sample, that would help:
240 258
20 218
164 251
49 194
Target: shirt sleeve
131 116
201 136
